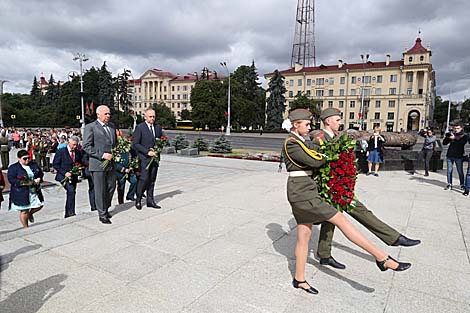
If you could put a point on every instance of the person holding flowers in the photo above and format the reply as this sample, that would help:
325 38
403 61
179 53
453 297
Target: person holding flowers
25 178
68 164
99 139
308 207
125 171
147 140
338 188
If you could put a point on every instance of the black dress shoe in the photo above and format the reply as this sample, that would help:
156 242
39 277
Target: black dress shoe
70 215
332 262
108 215
105 220
465 193
130 199
138 205
153 205
93 209
406 242
310 289
402 266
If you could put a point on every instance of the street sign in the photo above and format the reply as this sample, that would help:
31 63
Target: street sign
77 117
13 116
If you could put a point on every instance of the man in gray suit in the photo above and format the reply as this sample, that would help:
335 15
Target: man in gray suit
98 140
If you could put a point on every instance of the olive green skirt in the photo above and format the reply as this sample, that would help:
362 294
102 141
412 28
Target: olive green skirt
314 211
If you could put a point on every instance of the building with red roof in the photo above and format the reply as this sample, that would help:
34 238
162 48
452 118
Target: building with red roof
393 94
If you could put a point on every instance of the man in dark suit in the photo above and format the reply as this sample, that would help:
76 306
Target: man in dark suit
143 140
98 140
63 162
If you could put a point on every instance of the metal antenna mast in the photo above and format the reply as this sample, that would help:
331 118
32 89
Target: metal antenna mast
303 49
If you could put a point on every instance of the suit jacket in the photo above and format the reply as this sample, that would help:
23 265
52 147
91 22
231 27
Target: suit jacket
63 163
143 140
96 142
19 194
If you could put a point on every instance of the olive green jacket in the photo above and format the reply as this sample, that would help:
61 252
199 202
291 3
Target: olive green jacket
300 157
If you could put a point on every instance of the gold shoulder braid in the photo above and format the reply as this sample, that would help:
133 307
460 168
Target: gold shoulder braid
312 153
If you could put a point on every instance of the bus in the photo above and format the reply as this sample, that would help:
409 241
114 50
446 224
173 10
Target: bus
186 125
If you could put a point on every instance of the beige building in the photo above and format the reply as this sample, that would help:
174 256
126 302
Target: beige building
157 86
392 94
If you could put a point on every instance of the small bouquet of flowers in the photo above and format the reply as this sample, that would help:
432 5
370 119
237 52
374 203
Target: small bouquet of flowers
76 170
337 178
26 181
133 165
157 148
123 145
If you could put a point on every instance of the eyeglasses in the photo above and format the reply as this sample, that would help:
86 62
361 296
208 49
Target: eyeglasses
25 158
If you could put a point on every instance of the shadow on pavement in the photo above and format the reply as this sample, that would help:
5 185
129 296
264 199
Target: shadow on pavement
126 206
355 252
31 298
31 226
429 181
7 258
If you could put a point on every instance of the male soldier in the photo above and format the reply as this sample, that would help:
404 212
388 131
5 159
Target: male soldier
332 121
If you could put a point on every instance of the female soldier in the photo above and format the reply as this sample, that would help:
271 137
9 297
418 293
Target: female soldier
307 205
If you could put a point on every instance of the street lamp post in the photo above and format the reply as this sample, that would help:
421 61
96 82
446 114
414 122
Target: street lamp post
224 65
1 96
133 100
81 58
361 114
448 113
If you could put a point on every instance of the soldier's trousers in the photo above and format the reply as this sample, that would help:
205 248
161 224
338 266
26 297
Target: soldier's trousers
365 217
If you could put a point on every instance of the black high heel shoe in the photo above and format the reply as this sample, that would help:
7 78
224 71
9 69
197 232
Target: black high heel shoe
311 290
402 266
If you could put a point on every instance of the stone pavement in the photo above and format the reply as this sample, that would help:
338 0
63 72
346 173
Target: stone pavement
224 242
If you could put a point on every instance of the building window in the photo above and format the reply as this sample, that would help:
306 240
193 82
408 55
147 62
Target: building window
178 105
172 88
330 104
341 104
164 97
366 92
164 88
410 59
319 93
330 93
366 79
172 105
352 104
331 80
291 94
291 82
378 91
353 79
309 82
299 82
351 115
377 115
320 81
353 92
392 91
172 97
391 103
390 115
185 88
308 93
185 97
379 78
409 91
342 80
178 88
409 77
341 92
377 103
393 78
421 58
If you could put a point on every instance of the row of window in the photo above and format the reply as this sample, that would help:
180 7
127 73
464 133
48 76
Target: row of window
352 104
390 115
178 88
353 92
342 80
178 105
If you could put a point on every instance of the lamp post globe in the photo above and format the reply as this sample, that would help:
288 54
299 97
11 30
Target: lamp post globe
227 131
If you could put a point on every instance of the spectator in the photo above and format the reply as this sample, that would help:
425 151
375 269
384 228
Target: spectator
456 139
375 147
429 146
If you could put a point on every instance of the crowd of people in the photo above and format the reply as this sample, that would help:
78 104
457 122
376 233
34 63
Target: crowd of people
94 156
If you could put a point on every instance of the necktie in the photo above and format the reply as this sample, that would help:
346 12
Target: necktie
72 155
107 130
151 130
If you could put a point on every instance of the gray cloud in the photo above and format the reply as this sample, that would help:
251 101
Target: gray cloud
184 36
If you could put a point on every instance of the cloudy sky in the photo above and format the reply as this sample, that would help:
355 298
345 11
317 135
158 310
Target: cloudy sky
183 36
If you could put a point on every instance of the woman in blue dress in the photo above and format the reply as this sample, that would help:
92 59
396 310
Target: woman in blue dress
375 147
25 178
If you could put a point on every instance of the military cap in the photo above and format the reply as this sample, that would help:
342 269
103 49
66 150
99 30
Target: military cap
326 113
300 114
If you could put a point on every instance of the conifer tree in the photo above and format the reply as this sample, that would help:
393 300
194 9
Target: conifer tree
275 102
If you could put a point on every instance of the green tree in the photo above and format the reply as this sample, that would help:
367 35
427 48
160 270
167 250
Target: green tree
221 145
185 114
200 143
164 116
91 91
106 89
464 114
51 98
302 101
209 103
36 95
180 142
440 112
275 102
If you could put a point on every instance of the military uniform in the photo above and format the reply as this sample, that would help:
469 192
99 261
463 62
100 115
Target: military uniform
360 213
307 205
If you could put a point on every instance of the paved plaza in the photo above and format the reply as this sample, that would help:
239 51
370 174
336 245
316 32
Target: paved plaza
224 242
